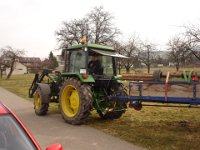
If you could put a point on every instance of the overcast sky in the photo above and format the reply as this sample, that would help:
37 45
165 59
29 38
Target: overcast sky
31 24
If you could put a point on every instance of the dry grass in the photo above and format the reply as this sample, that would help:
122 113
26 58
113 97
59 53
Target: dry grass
153 127
18 84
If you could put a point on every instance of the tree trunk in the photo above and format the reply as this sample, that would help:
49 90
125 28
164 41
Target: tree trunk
119 67
148 59
1 74
148 68
10 72
177 67
127 69
11 68
119 70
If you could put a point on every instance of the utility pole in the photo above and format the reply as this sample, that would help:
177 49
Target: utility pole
148 57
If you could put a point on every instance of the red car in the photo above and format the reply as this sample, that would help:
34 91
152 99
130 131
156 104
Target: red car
14 135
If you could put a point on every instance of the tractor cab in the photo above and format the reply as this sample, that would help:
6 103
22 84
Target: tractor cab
92 60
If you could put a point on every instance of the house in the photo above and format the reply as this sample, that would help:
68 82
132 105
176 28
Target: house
33 64
61 63
19 68
22 65
6 58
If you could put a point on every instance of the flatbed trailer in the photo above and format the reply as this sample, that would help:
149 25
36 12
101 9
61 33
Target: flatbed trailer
137 96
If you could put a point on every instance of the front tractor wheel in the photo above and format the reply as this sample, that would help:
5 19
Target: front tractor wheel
40 106
113 109
75 101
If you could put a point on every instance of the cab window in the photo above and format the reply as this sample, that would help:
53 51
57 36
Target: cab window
77 61
107 65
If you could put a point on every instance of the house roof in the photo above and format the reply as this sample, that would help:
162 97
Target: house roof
29 59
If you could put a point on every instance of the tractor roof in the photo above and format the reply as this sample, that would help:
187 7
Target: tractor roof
91 46
98 49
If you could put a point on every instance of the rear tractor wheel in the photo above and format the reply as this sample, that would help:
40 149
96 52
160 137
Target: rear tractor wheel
75 101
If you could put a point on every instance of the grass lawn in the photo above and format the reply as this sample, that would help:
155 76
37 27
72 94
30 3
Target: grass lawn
153 127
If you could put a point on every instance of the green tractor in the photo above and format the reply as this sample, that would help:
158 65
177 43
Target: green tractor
82 87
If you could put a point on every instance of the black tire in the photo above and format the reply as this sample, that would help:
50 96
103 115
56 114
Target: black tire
75 101
41 108
157 75
117 108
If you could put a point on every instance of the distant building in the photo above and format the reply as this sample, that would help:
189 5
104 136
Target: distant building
22 64
33 64
160 65
171 64
61 63
19 68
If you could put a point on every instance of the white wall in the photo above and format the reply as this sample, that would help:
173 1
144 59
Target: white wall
18 69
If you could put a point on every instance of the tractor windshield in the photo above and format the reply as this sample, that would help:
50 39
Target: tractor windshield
77 61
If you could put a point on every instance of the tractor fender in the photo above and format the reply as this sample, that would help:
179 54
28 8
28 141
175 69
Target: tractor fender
45 92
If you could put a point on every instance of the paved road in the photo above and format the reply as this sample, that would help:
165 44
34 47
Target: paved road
52 129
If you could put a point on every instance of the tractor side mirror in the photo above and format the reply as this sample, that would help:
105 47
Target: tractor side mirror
55 147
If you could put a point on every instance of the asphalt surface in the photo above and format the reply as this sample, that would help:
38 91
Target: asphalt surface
52 129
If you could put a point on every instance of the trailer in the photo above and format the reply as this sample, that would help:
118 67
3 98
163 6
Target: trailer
151 93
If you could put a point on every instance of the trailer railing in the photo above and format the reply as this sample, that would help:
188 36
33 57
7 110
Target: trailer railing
162 92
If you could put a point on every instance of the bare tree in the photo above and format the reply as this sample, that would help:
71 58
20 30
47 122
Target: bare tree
160 60
194 32
179 53
146 54
9 57
193 40
131 50
72 32
118 46
2 67
97 27
101 26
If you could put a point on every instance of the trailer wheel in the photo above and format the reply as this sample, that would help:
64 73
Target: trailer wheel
75 101
40 106
115 109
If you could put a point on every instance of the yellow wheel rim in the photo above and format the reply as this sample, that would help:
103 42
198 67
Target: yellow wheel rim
37 100
70 101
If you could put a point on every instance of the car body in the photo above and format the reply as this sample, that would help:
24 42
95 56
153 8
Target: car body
14 135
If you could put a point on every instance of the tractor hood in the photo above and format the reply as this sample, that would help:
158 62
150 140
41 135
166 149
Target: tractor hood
108 53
